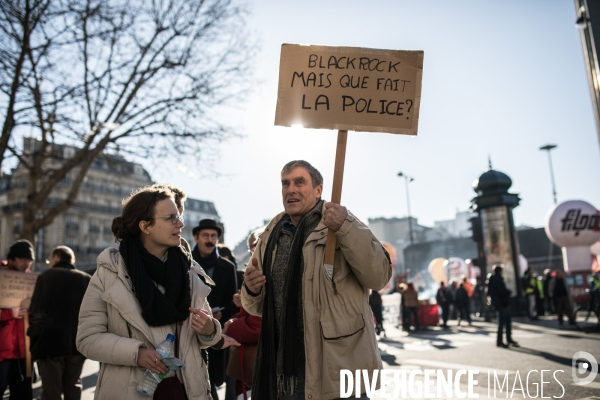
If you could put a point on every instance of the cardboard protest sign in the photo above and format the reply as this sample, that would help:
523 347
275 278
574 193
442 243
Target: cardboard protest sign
16 288
349 88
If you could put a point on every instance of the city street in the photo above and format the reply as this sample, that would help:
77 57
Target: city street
543 347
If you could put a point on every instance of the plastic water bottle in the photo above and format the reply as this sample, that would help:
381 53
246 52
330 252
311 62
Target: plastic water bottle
149 382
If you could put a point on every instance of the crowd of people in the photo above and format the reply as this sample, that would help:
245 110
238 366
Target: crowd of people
278 329
547 295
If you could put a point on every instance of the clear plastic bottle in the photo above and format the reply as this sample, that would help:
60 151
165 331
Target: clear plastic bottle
149 382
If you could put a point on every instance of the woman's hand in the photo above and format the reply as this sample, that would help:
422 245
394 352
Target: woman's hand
150 359
229 341
202 322
19 312
237 299
226 326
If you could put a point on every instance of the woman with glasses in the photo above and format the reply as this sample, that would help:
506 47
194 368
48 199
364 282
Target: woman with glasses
141 292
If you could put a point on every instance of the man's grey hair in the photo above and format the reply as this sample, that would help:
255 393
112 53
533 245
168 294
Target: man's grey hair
65 254
315 175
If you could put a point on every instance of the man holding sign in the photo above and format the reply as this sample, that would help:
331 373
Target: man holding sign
316 318
12 331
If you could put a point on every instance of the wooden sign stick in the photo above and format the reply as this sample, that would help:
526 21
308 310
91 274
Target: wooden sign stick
336 193
27 344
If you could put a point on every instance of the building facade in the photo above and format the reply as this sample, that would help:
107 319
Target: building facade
86 225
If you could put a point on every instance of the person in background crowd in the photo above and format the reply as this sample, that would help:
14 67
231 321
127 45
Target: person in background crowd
461 301
243 327
453 309
558 289
444 300
478 297
223 273
20 257
403 313
147 288
287 280
500 296
376 304
411 305
548 300
226 253
468 287
595 282
530 288
539 297
53 328
487 300
470 290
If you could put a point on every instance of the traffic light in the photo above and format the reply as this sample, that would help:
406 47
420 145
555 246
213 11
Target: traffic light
476 230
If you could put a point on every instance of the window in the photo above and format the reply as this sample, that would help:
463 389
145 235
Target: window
569 280
68 152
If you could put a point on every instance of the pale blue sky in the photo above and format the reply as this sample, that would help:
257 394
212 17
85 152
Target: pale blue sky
500 78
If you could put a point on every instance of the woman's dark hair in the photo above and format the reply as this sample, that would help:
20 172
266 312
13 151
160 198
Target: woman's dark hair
139 206
179 195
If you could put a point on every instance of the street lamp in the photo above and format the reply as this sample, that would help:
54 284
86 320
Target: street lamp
548 148
408 179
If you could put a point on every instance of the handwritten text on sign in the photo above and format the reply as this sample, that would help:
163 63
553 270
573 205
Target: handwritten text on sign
349 88
16 288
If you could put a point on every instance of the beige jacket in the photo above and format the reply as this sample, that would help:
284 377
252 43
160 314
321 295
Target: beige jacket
111 330
411 297
338 328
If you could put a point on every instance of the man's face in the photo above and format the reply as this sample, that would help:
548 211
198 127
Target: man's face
22 264
206 240
299 196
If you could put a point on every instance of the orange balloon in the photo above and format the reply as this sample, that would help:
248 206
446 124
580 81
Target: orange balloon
437 271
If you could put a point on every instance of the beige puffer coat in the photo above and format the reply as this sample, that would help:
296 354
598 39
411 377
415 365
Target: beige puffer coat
111 330
338 328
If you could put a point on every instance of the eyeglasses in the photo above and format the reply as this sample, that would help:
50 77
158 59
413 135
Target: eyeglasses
173 217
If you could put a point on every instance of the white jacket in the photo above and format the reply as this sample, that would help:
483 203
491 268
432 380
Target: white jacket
111 330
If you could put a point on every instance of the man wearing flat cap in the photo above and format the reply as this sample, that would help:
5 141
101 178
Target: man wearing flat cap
223 273
20 257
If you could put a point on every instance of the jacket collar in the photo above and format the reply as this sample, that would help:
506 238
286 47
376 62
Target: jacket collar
63 264
267 232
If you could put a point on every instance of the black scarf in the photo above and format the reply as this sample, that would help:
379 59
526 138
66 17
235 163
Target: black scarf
208 262
144 269
265 386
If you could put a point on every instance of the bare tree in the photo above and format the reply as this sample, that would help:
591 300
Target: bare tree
140 76
22 24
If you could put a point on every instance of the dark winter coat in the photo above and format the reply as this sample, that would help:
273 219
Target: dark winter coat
225 278
54 309
444 297
498 291
221 295
462 298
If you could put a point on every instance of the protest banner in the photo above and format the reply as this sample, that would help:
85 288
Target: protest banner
348 88
16 288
